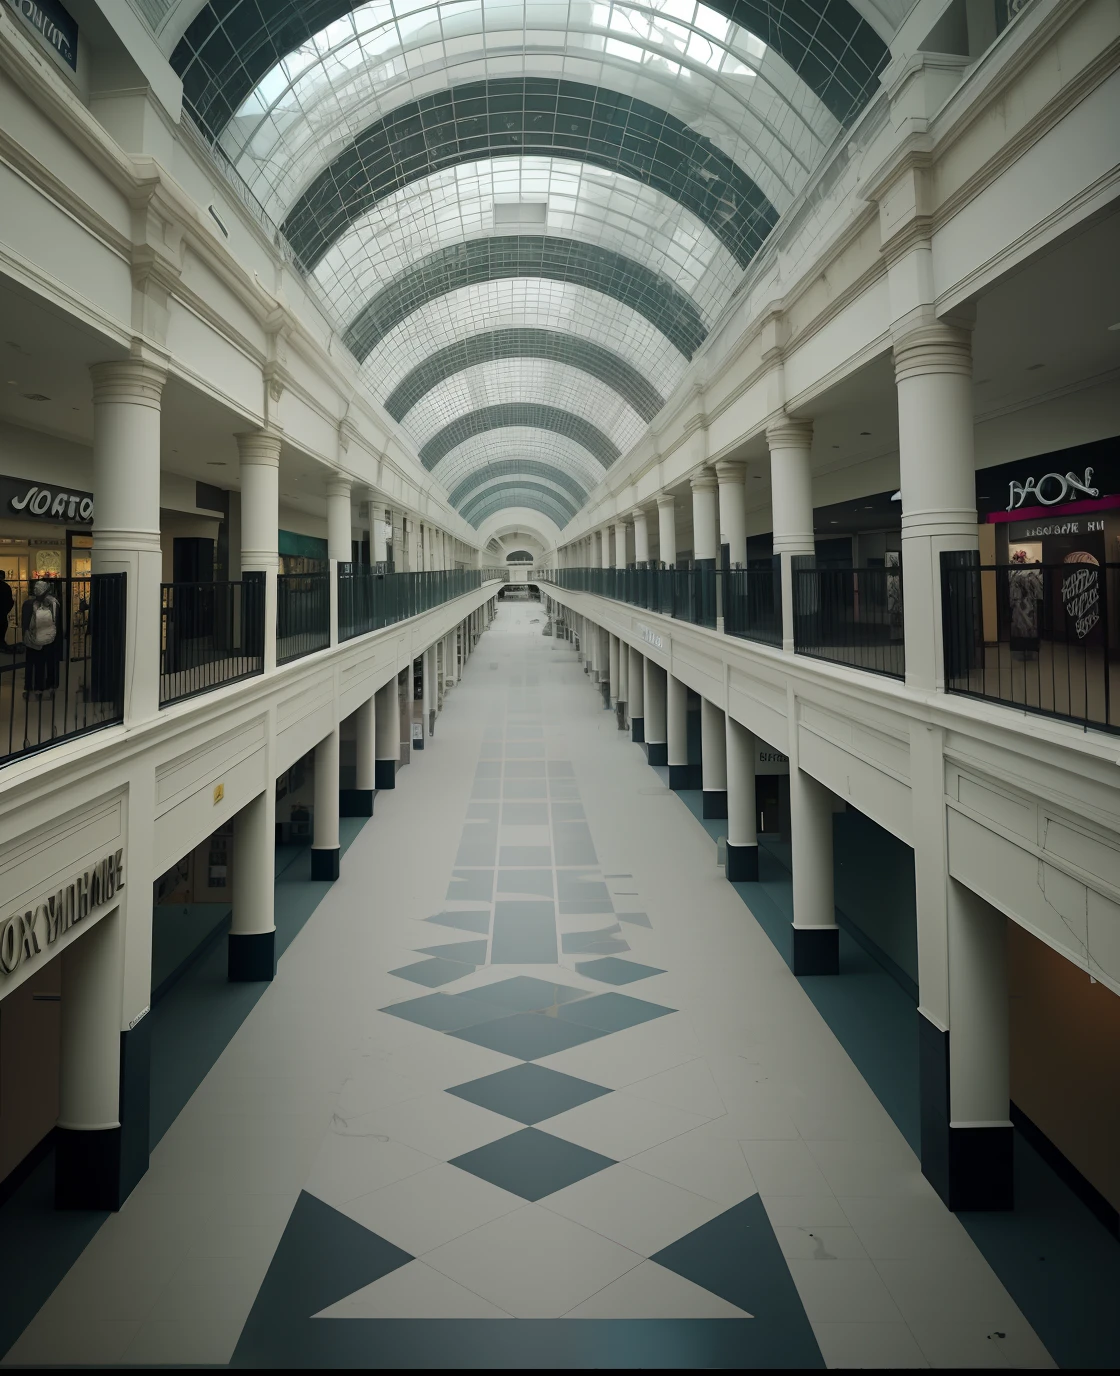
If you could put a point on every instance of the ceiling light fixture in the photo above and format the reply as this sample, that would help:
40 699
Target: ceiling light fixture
865 432
1034 367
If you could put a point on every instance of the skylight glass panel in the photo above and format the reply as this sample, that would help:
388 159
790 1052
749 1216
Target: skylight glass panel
514 445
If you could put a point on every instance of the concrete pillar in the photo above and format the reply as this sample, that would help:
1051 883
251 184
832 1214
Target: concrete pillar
816 937
933 373
791 485
705 518
732 478
430 691
713 757
676 709
339 541
623 674
387 732
657 749
667 530
252 935
101 1141
126 536
605 548
324 846
637 698
358 801
620 544
259 456
613 670
641 537
742 812
378 544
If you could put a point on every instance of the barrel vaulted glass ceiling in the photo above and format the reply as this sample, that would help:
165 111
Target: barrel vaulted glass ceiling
527 215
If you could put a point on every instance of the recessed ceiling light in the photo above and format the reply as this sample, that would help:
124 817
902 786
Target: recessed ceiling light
1034 367
214 463
834 523
982 381
35 396
865 432
836 446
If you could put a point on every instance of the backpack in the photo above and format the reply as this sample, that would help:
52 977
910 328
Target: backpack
41 628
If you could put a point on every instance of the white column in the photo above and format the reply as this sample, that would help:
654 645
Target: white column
742 812
612 668
732 478
713 759
791 487
816 937
620 543
378 545
657 751
676 733
259 455
623 672
705 516
324 847
641 537
429 689
126 526
387 716
637 698
667 530
88 1145
365 773
933 372
605 547
252 937
339 541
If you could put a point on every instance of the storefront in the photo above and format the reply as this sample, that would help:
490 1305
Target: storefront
302 553
45 533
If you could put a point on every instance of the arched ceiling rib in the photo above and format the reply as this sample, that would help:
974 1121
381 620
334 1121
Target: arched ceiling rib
512 445
531 116
519 413
558 260
523 468
522 494
494 345
533 381
502 487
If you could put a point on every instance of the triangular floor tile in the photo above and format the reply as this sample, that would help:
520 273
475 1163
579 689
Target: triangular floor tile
650 1291
415 1291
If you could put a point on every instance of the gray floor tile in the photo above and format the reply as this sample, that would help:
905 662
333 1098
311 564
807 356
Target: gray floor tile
433 973
525 769
471 886
524 933
488 769
524 789
482 812
528 1093
467 952
532 1163
464 922
560 769
444 1012
600 943
528 1036
526 881
567 812
525 750
609 969
635 919
573 842
524 856
524 814
612 1012
524 994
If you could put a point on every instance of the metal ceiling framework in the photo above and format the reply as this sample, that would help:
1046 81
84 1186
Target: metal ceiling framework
572 187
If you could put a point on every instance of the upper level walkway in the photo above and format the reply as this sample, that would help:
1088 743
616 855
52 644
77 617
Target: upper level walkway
531 1059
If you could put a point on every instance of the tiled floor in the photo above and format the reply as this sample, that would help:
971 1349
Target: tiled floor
531 1088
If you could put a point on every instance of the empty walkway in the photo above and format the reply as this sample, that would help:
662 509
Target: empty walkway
533 1071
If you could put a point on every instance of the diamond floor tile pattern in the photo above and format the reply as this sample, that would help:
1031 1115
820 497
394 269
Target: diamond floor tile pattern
434 972
528 1093
613 1012
611 970
531 1163
528 1036
525 994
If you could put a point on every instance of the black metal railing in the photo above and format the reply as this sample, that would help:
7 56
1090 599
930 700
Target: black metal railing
210 634
303 614
368 600
1041 637
752 604
62 661
849 616
690 593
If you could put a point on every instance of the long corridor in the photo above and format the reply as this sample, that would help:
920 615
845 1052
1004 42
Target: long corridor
533 1070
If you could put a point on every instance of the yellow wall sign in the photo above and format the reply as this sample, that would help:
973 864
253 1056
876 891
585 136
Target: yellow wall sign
219 793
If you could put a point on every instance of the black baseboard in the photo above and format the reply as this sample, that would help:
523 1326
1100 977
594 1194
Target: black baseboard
638 730
87 1169
135 1105
384 774
680 777
1064 1168
714 803
970 1168
19 1173
605 688
325 863
657 752
816 950
418 743
252 957
742 864
355 802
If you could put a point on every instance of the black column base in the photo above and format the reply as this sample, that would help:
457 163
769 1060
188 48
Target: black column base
816 950
251 957
638 730
680 777
99 1169
742 863
970 1168
324 863
384 774
355 802
657 752
605 688
715 803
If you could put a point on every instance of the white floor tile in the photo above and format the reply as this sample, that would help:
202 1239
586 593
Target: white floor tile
439 1125
784 1168
635 1053
689 1087
820 1244
430 1208
650 1291
868 1346
635 1209
533 1263
843 1292
618 1125
702 1162
347 1167
413 1291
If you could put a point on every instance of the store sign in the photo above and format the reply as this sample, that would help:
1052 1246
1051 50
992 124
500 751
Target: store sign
25 934
44 503
1039 530
54 26
1050 490
651 637
1081 598
768 761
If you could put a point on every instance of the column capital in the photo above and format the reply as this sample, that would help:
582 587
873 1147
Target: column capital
259 446
637 514
703 481
789 432
933 347
731 471
339 486
130 381
622 520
